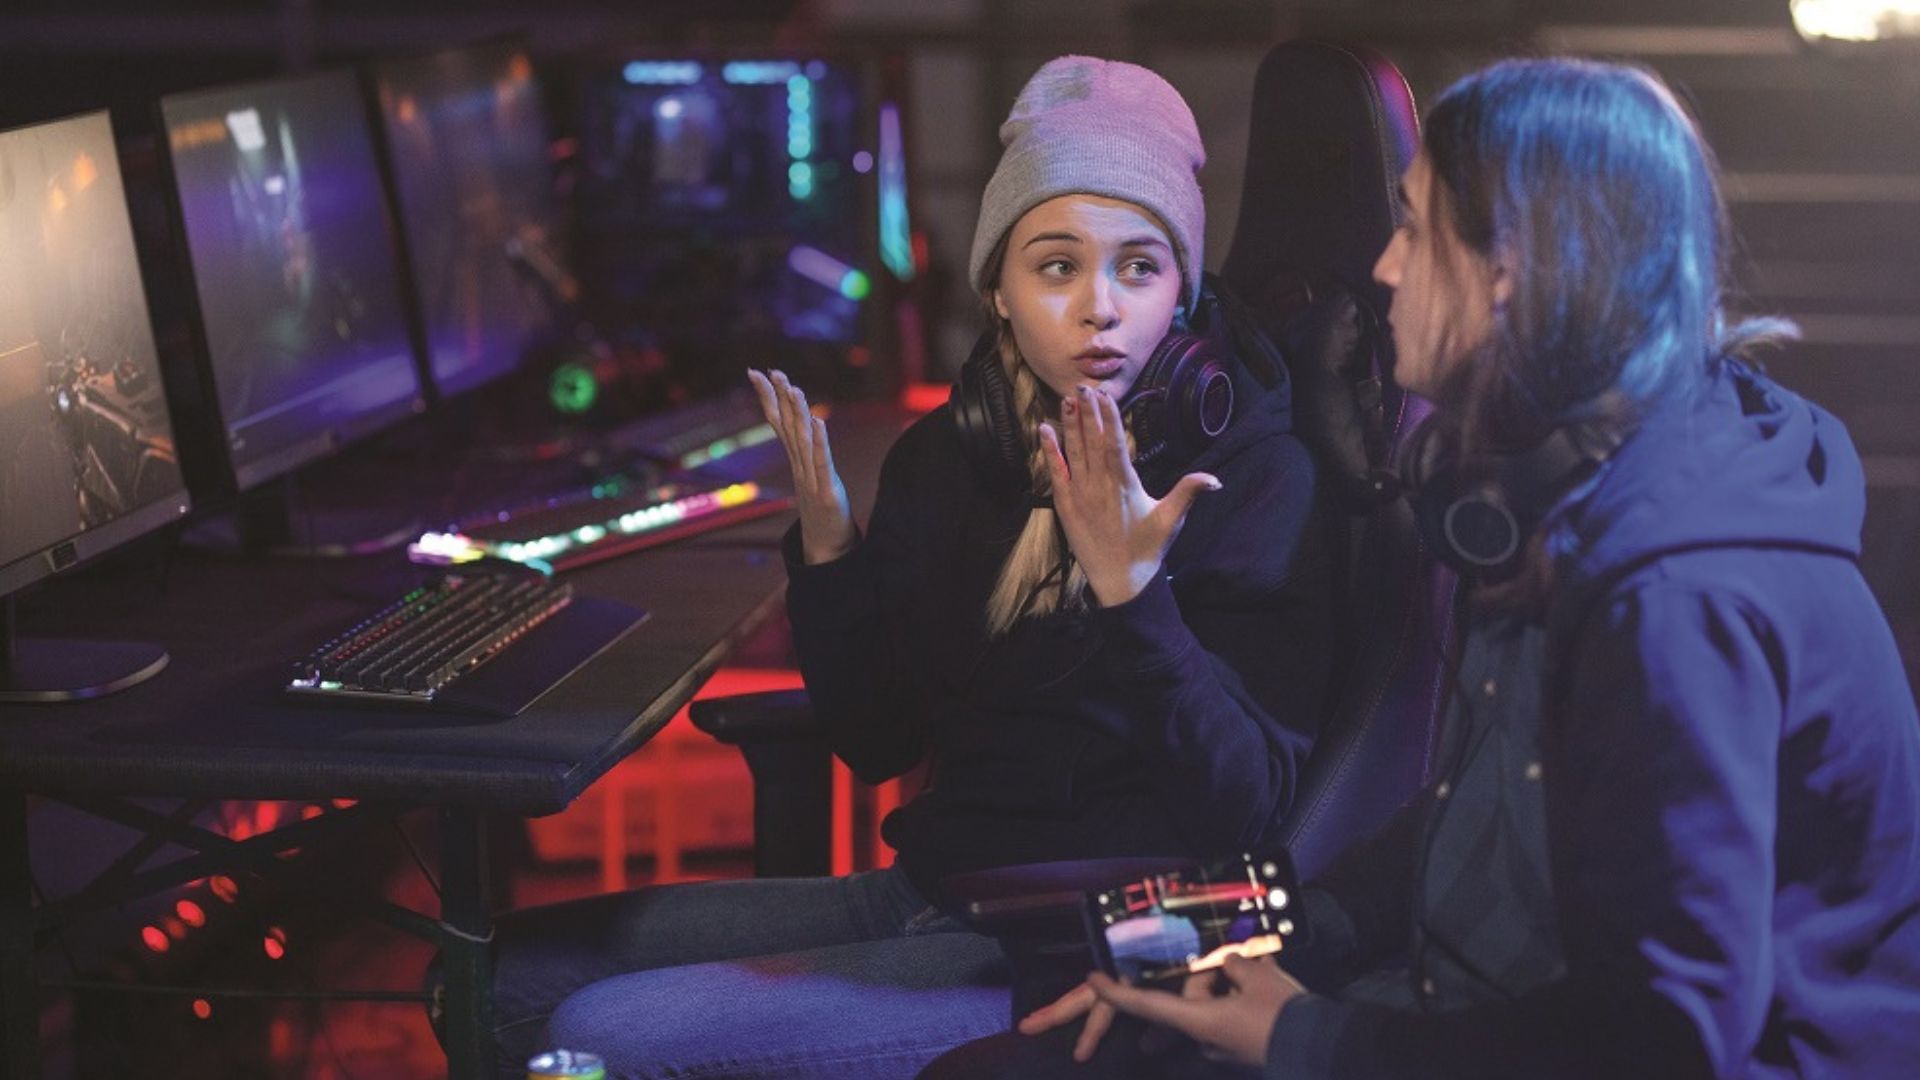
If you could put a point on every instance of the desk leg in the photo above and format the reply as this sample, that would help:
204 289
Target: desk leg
19 1001
466 945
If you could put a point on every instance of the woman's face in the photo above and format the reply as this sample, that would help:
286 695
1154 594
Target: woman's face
1090 286
1443 291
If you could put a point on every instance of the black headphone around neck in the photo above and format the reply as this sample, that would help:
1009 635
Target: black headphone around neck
1179 404
1478 518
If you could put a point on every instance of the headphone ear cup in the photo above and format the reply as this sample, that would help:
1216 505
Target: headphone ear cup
985 418
1476 530
1479 524
1144 409
1181 401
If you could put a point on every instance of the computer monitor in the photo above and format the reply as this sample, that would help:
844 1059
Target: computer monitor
466 138
729 214
286 225
87 458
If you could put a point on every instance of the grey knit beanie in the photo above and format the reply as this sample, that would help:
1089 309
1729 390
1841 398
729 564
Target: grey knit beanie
1098 127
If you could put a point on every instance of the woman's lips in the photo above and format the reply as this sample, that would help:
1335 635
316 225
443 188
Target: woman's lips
1101 367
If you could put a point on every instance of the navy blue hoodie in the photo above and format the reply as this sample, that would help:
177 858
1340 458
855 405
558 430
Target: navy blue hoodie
1173 724
1731 770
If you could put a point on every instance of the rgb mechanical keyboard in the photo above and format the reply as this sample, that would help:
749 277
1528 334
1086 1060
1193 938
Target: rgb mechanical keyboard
607 520
418 648
695 434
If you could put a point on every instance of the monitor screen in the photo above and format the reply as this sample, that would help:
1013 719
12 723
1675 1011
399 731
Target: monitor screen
466 135
285 220
87 455
721 207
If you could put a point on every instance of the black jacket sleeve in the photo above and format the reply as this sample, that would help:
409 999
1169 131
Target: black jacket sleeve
848 617
1224 667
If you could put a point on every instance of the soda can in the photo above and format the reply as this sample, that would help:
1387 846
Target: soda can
566 1065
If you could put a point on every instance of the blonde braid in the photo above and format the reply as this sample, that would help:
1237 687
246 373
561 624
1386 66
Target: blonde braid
1041 552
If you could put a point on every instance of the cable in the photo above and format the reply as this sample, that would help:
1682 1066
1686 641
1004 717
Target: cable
418 859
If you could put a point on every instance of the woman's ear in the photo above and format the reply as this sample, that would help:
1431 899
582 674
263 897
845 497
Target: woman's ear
1000 305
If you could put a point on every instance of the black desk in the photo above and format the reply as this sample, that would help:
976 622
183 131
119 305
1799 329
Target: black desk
215 725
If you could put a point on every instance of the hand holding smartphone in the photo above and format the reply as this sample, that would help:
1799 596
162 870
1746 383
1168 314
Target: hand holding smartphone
1164 927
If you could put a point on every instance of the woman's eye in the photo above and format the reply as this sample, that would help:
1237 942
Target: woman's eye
1139 269
1056 268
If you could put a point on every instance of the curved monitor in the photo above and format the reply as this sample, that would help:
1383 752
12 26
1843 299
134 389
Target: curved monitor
466 137
285 219
87 456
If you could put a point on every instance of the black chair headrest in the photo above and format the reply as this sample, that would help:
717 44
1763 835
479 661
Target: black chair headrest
1333 128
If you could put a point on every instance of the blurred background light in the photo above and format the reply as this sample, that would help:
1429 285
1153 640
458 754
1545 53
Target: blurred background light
1856 20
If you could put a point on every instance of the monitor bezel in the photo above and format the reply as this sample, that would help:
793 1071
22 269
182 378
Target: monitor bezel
372 72
80 547
246 475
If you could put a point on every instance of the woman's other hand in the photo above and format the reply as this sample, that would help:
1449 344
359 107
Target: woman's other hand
1232 1026
1118 532
1075 1003
826 519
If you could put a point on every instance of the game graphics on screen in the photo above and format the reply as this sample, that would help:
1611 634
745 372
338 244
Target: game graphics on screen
87 435
285 222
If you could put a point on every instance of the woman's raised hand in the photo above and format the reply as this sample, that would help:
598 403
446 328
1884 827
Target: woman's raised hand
826 519
1118 532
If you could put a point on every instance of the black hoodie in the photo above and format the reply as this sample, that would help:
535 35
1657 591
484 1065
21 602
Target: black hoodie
1173 724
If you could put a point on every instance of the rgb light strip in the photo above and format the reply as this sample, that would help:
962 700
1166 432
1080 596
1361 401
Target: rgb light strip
453 548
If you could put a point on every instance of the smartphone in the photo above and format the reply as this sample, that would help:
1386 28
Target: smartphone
1167 926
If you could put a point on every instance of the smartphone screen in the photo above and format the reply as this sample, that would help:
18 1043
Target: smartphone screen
1167 926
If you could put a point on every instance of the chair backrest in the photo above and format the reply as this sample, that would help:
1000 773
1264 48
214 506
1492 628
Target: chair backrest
1333 128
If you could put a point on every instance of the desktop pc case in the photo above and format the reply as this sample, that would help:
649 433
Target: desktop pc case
747 210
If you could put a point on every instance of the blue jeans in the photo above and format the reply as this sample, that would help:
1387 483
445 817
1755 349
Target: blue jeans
782 977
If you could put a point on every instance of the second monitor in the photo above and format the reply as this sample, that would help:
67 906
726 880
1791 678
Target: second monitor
286 226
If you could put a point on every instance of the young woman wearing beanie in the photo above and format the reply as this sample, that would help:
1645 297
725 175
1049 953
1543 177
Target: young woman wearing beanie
1093 662
1674 826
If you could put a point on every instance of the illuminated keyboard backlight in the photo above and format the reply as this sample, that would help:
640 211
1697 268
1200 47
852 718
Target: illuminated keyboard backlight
439 548
720 448
455 548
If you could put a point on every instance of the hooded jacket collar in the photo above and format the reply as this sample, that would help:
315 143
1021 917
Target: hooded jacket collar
1743 462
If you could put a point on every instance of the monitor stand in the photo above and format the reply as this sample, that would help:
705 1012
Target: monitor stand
51 669
271 521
